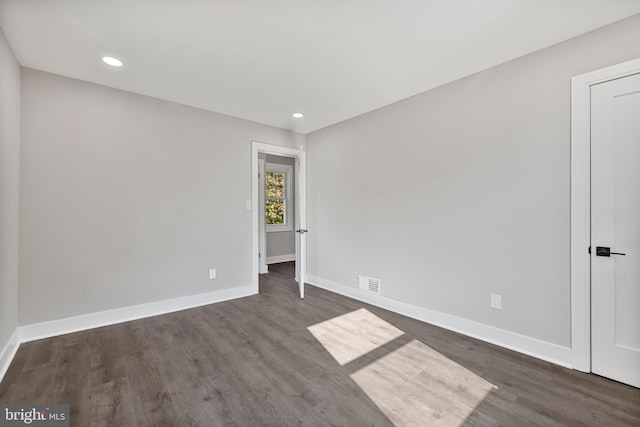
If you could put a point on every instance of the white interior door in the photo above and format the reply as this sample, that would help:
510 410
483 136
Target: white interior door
301 219
615 229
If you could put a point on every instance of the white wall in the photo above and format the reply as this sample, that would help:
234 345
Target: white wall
280 243
462 190
128 199
9 190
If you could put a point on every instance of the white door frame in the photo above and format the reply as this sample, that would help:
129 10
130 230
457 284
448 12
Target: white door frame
581 206
261 147
262 233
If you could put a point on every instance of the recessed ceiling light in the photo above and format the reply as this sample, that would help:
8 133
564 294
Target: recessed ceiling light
114 62
298 115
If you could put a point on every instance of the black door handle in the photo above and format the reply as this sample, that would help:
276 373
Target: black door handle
605 251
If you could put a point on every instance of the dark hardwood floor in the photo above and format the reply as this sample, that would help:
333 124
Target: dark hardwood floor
275 360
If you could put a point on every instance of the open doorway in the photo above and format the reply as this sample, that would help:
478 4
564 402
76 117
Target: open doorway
277 200
279 215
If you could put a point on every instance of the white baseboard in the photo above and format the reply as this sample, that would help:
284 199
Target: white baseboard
8 352
103 318
521 343
280 258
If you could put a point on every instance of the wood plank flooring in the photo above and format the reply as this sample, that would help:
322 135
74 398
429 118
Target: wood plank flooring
275 360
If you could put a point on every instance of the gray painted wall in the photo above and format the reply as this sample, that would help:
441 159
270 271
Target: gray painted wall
462 190
9 189
283 242
128 199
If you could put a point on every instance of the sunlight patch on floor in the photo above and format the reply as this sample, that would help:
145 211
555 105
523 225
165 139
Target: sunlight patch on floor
352 335
416 385
412 384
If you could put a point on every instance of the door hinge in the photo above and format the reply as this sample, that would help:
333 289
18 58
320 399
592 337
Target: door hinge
589 249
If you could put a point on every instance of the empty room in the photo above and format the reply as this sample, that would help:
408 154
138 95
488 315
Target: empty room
313 213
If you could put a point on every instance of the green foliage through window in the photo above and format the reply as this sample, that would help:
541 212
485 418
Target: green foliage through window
275 195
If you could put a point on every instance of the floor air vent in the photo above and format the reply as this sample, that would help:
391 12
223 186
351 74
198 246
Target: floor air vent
370 284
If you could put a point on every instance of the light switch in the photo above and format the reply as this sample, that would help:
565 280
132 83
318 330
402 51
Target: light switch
496 301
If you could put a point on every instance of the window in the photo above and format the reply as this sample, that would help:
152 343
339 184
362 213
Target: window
278 197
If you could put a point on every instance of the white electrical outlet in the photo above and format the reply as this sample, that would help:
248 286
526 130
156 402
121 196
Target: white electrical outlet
212 273
496 301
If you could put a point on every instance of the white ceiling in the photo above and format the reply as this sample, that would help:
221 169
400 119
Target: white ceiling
262 60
